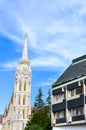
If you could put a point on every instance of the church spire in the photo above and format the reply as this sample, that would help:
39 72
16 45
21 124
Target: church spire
25 48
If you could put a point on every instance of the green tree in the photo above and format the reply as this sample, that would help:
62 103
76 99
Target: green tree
48 99
39 103
48 103
41 118
33 127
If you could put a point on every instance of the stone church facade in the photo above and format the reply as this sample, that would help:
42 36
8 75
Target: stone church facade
19 109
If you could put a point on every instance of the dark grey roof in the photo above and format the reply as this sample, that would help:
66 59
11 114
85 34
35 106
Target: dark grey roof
75 70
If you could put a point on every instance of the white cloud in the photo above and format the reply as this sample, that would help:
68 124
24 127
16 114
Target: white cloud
47 61
55 29
47 83
11 36
8 65
42 84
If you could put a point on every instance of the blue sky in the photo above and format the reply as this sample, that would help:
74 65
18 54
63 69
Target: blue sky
57 34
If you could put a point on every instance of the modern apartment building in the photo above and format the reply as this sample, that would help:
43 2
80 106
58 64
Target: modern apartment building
69 95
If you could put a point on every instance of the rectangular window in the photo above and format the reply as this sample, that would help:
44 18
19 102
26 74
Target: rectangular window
79 90
69 93
60 114
76 111
75 91
59 97
79 111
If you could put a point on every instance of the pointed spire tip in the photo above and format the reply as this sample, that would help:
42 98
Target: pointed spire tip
26 35
25 48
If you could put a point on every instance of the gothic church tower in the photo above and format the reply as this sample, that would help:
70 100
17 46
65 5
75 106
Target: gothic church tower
19 109
22 108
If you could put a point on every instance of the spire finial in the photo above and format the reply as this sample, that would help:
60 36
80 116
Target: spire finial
26 36
25 48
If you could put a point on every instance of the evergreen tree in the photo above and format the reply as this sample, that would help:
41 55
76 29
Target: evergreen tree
42 119
39 103
33 127
48 103
48 99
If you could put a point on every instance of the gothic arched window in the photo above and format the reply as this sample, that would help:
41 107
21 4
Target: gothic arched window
24 100
20 87
24 86
19 100
24 114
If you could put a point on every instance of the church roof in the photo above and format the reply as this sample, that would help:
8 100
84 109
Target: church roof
1 117
75 70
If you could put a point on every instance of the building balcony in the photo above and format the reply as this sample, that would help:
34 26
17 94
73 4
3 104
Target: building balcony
59 106
58 91
58 101
61 120
73 97
76 102
72 86
78 118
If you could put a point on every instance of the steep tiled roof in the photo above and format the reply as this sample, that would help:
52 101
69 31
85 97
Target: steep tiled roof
1 117
75 70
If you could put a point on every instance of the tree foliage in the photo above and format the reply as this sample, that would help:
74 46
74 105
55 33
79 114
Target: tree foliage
48 99
39 103
41 118
33 127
